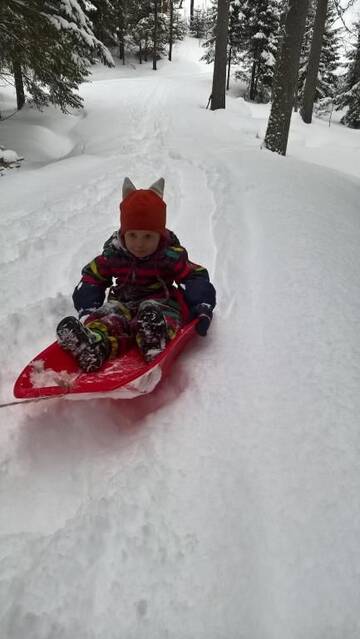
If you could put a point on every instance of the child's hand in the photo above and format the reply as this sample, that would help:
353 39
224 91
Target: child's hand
204 314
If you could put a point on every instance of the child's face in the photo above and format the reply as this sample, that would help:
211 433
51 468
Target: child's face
142 243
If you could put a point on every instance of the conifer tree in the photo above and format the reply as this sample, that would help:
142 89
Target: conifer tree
314 61
350 94
176 26
104 17
327 78
198 25
330 56
48 47
252 43
235 34
209 44
287 64
262 23
304 53
219 75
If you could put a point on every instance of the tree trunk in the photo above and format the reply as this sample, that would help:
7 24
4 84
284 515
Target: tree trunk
171 29
140 53
257 75
306 110
296 94
219 76
191 10
277 133
121 47
155 34
146 44
19 85
228 70
252 94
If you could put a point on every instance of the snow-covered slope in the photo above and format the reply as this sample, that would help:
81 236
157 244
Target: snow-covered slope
226 504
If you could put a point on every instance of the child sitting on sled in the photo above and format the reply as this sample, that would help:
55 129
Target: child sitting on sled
143 305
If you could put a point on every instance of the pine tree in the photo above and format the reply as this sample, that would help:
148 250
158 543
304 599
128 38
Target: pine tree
304 53
209 44
104 18
287 65
330 56
327 78
350 95
219 75
48 47
198 25
176 26
235 34
314 61
261 27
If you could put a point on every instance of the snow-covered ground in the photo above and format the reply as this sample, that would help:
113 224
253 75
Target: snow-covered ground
226 504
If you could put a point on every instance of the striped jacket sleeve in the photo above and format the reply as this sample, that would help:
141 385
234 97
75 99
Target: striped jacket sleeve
89 294
192 278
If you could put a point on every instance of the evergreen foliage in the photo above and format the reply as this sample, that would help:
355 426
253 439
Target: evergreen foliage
261 29
329 58
209 44
287 66
254 27
350 95
199 24
104 15
48 46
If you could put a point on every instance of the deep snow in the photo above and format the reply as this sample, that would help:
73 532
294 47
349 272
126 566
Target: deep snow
226 504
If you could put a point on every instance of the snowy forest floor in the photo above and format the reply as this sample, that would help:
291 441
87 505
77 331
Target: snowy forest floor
226 504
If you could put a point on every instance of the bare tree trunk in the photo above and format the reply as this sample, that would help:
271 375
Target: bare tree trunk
306 110
191 10
219 76
228 69
296 94
140 53
252 93
155 34
277 133
19 85
122 47
171 29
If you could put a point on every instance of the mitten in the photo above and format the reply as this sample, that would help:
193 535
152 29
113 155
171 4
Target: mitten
204 314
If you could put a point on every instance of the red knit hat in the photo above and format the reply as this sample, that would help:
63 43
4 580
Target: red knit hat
143 209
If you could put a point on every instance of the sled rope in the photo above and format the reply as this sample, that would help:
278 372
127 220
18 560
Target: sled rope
30 401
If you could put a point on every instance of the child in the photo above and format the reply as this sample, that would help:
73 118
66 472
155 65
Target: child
143 305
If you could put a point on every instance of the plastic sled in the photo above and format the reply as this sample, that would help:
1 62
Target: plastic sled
55 373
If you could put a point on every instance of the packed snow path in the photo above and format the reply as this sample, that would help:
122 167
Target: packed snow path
226 504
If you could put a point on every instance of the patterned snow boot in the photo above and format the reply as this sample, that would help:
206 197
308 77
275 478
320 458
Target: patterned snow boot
151 336
89 348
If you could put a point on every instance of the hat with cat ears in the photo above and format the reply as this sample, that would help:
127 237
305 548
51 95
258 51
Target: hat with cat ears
158 187
143 209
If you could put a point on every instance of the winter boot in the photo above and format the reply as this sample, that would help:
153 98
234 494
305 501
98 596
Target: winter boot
89 348
151 336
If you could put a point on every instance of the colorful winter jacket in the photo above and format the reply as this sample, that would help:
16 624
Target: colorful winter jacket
132 280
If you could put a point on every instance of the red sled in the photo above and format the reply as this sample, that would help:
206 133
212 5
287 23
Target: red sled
55 373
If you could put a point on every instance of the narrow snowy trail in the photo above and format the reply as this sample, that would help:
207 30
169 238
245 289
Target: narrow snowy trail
225 504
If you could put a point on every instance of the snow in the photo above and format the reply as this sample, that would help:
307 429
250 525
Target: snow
8 156
226 503
41 377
